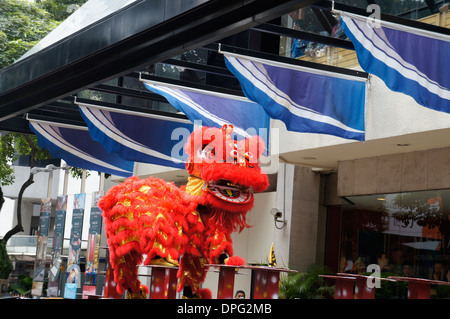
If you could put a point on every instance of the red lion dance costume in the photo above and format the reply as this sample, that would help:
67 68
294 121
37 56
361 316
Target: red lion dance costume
189 227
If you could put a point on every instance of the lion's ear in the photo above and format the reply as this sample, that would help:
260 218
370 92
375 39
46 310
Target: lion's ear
202 138
255 145
197 141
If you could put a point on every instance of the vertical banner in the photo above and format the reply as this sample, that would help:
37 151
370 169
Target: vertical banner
73 280
93 248
41 249
58 241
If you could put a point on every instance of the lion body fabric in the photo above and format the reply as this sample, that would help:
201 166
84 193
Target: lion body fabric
149 220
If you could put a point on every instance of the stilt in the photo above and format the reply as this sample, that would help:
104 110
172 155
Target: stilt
344 286
226 283
163 282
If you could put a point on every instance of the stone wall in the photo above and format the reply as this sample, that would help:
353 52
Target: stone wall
413 171
301 242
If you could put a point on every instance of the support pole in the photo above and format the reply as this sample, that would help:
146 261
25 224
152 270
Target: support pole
266 283
164 282
66 181
83 182
344 286
226 283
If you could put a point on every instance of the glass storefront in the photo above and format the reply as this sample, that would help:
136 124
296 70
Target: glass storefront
325 23
399 234
408 9
406 234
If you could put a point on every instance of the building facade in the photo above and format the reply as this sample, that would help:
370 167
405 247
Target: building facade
344 204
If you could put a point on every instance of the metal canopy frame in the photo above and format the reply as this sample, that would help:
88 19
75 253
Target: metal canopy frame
48 93
69 66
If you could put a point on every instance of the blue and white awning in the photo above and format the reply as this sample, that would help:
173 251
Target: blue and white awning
215 109
409 60
305 99
120 137
74 145
138 137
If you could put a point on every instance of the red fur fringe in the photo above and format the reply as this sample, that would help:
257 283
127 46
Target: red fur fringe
235 261
204 293
242 175
162 219
191 272
216 218
145 289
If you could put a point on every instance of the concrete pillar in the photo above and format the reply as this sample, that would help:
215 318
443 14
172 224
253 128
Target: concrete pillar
300 243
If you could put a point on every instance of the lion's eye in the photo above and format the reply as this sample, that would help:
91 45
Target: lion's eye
234 154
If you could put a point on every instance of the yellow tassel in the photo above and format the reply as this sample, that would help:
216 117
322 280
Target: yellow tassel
272 259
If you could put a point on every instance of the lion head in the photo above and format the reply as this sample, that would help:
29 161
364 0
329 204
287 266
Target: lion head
229 168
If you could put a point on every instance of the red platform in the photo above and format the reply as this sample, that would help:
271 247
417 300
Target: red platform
353 286
110 285
344 286
265 284
419 288
362 289
164 281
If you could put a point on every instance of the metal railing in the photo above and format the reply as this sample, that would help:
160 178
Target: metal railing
24 244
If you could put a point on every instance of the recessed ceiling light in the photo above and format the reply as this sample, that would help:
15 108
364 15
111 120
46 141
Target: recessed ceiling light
403 144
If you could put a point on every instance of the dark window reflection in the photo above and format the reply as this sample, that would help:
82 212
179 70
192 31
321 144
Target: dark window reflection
406 234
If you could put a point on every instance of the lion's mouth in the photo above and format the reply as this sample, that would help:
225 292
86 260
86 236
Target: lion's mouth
230 192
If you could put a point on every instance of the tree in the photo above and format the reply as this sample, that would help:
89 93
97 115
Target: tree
60 10
22 25
13 145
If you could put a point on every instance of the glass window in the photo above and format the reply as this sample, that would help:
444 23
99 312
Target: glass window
410 9
406 234
303 20
325 23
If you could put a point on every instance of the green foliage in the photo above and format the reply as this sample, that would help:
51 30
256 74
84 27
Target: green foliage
12 145
306 285
60 9
78 173
22 24
440 292
23 286
7 155
5 263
